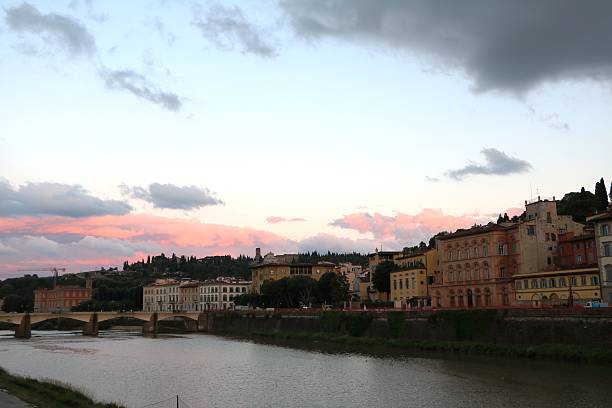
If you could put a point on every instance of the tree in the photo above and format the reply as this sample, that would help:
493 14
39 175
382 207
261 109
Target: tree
15 303
601 194
333 288
578 205
381 278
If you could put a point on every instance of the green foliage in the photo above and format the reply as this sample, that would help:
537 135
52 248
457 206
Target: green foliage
468 324
252 300
578 204
331 321
358 323
395 321
15 303
354 258
601 195
44 394
333 288
381 279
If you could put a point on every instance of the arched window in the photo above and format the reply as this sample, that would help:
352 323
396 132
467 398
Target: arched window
506 296
487 297
486 272
478 298
451 276
476 272
459 276
460 298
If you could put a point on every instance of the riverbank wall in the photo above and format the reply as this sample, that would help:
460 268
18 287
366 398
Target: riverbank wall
527 327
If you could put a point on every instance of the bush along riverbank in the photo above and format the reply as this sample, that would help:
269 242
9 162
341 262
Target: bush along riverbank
44 394
460 332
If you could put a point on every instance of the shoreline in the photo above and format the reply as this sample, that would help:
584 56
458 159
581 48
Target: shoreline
46 394
380 346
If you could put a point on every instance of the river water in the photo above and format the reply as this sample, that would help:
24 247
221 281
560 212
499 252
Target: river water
209 371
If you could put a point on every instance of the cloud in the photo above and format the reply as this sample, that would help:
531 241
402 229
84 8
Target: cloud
432 179
61 31
227 28
329 242
173 197
405 229
496 163
552 120
55 199
275 220
140 86
501 45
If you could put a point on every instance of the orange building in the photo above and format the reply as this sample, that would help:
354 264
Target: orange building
61 298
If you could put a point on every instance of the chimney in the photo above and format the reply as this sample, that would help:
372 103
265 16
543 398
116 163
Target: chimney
257 253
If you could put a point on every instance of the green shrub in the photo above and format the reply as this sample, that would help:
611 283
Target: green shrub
395 321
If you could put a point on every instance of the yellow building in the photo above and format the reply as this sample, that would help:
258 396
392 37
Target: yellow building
411 285
274 267
553 288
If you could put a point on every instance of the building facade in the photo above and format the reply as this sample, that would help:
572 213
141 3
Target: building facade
62 298
274 267
219 294
161 296
411 284
602 223
478 266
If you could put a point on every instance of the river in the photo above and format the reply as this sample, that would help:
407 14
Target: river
209 371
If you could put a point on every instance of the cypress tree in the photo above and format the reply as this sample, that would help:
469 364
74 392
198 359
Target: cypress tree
601 194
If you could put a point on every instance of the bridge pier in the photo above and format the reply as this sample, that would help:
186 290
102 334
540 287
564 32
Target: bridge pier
24 330
203 322
91 328
149 329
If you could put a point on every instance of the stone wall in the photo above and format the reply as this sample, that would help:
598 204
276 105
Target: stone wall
488 326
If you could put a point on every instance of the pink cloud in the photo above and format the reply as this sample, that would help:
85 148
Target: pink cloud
275 220
406 229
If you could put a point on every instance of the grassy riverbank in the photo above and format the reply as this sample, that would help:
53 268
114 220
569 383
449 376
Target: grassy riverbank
46 394
551 352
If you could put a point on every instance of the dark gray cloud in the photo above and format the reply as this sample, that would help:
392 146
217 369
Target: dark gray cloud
141 87
173 197
227 28
54 29
496 163
55 199
504 45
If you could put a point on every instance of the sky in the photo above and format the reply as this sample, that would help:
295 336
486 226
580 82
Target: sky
214 127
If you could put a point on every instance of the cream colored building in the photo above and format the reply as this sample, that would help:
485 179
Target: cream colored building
219 294
161 296
411 285
603 241
274 267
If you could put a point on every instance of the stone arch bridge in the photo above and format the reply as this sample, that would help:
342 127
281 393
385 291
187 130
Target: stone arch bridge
197 321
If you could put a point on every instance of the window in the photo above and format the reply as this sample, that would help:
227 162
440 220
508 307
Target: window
552 283
548 217
485 250
407 286
413 282
531 230
468 275
451 276
514 247
605 230
467 253
458 254
394 284
400 284
460 299
506 296
583 280
450 255
487 297
562 282
487 275
549 260
502 272
574 281
502 249
476 252
594 280
547 237
543 283
608 269
607 249
519 285
553 236
578 258
534 284
459 276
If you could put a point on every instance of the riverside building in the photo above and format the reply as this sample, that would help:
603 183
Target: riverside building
274 267
411 284
603 243
219 294
478 266
62 298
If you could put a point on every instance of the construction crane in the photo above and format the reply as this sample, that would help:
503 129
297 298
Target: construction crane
54 270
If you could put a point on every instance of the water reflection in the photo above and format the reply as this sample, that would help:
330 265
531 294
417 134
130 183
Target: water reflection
208 371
